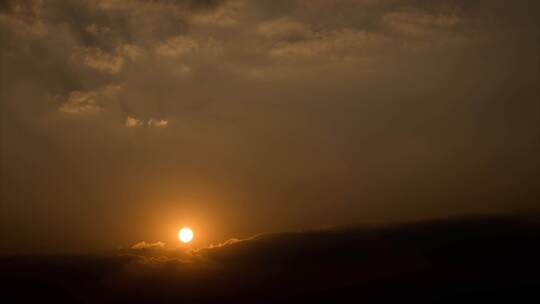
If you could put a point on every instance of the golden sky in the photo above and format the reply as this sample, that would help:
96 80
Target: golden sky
123 121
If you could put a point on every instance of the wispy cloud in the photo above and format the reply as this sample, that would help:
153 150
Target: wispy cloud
132 122
88 102
157 123
145 245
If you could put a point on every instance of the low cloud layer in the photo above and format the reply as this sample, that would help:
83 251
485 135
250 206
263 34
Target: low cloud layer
450 260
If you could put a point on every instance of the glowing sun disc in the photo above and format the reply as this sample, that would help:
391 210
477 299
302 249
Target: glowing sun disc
185 235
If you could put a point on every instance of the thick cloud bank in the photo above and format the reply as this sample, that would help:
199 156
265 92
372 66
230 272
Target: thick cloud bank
440 261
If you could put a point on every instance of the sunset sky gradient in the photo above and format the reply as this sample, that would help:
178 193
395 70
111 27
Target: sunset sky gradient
123 121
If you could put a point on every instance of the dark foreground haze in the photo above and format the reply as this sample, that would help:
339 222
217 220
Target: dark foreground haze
444 261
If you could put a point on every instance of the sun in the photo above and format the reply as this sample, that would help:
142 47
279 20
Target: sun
185 235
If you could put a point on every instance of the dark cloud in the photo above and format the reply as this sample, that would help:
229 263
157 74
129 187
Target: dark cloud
204 4
443 261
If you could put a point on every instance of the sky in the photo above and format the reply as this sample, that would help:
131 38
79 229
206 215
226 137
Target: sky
124 120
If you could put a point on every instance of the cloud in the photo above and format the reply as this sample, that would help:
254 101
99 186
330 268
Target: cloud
177 46
105 62
408 28
341 45
419 23
188 49
283 28
145 245
88 102
97 30
447 260
224 15
157 123
81 103
132 122
99 60
423 29
193 5
130 51
24 17
226 243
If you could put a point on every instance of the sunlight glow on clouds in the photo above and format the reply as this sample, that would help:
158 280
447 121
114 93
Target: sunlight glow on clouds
132 122
90 102
146 245
157 123
81 103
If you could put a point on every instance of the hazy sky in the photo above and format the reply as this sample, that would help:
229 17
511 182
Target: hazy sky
122 121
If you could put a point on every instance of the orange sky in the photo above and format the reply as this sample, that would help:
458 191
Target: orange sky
122 121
